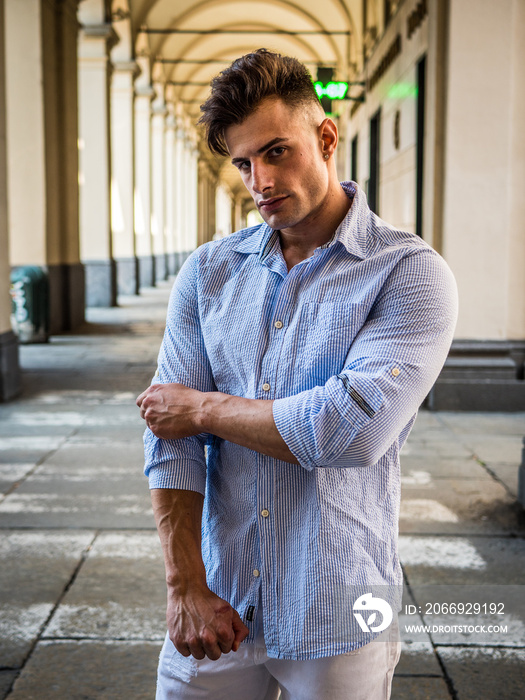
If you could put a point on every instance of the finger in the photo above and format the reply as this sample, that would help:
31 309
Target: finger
240 630
182 649
212 651
196 649
140 399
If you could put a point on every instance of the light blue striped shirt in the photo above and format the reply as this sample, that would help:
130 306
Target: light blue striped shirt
348 343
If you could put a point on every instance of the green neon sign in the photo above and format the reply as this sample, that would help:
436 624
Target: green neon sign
333 90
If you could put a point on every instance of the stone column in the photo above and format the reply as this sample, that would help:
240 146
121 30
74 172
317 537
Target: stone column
158 183
170 168
26 163
95 164
123 177
60 75
143 234
9 366
192 160
180 214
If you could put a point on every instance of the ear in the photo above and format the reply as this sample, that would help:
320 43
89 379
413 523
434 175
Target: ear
328 137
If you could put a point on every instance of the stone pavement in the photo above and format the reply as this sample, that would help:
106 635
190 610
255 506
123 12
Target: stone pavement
81 580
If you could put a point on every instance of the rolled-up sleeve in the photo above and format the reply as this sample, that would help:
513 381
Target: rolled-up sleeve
391 366
180 464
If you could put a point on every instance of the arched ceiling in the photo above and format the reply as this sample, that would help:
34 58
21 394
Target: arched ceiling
189 41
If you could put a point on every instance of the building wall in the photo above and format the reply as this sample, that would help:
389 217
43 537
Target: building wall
484 157
395 93
474 148
473 175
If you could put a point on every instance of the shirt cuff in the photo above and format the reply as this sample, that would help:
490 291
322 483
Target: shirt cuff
188 475
319 425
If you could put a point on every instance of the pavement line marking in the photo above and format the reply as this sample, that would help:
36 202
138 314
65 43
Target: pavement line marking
451 553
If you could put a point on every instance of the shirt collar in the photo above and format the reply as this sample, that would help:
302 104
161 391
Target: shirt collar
351 232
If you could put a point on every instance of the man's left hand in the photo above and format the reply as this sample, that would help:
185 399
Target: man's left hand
171 411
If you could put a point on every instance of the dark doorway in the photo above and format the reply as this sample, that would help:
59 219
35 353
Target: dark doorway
373 182
420 143
353 159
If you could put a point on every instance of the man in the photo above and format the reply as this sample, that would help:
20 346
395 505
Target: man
297 353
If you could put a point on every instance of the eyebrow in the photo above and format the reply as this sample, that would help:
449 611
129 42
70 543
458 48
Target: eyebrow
273 142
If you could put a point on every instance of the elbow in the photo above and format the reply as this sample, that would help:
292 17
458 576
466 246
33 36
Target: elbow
358 454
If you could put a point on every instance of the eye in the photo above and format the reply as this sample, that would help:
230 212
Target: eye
244 166
277 151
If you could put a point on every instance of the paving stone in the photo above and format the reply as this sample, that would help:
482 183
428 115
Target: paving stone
487 673
78 505
461 506
508 474
505 449
463 560
443 448
89 671
36 568
6 681
84 450
443 468
420 688
13 473
119 593
418 659
483 423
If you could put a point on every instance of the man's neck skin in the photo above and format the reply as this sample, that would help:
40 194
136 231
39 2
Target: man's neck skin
300 242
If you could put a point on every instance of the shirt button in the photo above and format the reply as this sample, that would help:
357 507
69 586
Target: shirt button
256 573
278 324
396 371
265 513
266 386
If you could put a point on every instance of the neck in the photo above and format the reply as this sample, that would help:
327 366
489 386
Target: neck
300 242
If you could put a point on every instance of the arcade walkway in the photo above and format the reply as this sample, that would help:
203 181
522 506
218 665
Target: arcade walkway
81 582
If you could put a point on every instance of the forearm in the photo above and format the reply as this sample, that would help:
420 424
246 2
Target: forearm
178 515
246 422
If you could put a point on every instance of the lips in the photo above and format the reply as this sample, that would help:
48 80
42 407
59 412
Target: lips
272 203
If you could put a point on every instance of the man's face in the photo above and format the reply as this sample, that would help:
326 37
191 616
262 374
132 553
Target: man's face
278 151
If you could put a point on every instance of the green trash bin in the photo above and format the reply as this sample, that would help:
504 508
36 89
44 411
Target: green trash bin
30 304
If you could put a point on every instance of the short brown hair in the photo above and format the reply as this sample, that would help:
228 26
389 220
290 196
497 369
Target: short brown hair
239 89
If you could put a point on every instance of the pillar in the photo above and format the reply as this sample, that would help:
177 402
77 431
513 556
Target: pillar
95 164
170 145
181 221
60 79
158 183
10 379
143 233
123 177
192 159
26 165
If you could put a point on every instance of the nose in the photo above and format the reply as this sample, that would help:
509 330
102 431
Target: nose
262 179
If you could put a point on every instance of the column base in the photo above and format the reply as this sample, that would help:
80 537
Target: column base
101 283
127 275
173 261
161 268
183 256
10 375
146 271
66 296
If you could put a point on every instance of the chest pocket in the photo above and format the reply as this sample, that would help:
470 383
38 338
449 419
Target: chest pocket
326 332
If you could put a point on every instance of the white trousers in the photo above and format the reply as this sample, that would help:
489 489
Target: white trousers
250 674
